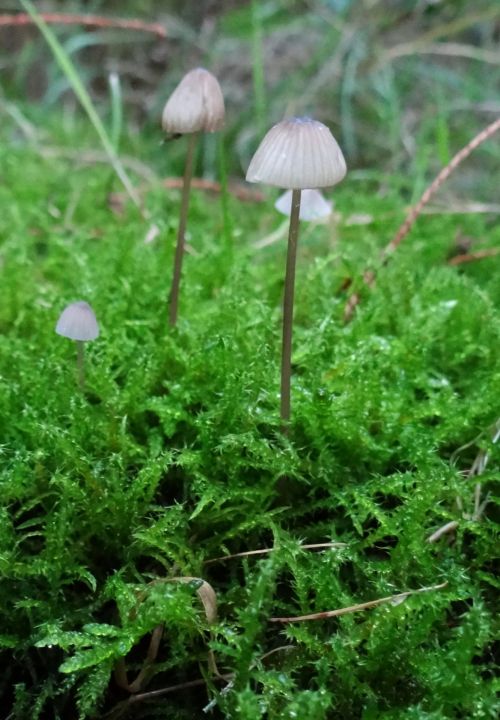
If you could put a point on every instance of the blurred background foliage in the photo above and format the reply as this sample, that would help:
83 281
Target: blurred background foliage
402 83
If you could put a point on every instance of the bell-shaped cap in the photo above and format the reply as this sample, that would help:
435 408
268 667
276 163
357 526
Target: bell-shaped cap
297 154
196 104
313 205
78 322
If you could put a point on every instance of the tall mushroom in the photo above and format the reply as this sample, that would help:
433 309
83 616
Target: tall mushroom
195 106
78 322
296 154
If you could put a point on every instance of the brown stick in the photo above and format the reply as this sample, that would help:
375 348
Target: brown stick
412 216
472 257
95 21
437 182
356 608
239 190
235 188
286 357
437 534
174 688
266 551
173 300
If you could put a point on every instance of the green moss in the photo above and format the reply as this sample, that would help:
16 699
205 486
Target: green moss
173 456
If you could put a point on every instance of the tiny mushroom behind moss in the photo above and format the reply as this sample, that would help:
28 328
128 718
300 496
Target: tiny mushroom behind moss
296 154
78 322
195 106
313 205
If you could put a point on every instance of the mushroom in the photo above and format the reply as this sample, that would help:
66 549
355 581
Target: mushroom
296 154
196 105
78 322
313 205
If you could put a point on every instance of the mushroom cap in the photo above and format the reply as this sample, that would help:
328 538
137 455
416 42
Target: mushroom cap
313 205
78 322
296 154
196 104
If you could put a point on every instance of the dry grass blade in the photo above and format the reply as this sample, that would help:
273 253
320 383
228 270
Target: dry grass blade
65 63
446 50
472 257
454 27
438 181
123 707
94 21
238 189
462 208
208 598
448 528
395 599
206 593
120 671
266 551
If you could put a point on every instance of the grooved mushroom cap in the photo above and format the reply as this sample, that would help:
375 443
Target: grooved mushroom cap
78 322
313 206
296 154
196 104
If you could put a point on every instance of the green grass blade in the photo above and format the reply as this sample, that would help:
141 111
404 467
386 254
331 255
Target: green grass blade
80 91
258 68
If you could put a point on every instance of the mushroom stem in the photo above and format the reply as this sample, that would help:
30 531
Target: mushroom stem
286 356
181 232
80 362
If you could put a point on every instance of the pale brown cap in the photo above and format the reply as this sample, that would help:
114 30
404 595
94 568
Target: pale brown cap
78 322
313 205
296 154
196 104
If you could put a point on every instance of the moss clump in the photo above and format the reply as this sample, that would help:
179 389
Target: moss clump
173 456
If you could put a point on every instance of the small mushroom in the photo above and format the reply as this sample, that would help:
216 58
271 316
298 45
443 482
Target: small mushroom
78 322
313 205
296 154
195 106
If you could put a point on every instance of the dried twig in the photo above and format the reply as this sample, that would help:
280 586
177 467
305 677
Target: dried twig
369 275
420 44
448 528
446 49
121 708
436 184
120 671
208 598
458 207
472 257
394 599
265 551
94 21
238 189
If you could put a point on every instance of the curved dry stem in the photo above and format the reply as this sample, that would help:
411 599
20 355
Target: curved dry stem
92 21
440 179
